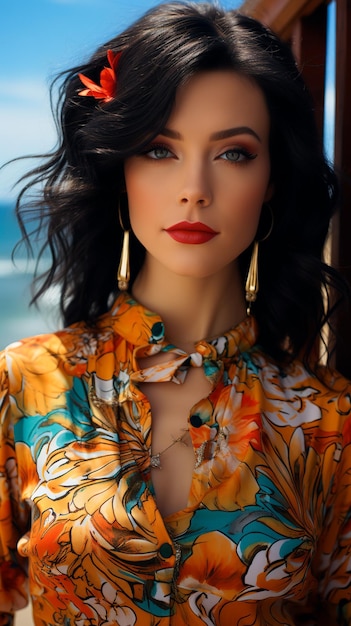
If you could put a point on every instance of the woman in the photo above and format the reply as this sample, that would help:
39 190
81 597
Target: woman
176 455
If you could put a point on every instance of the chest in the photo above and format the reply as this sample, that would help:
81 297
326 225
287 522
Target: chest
232 457
171 446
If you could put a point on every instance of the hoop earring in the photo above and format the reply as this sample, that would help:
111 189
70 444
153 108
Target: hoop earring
123 274
252 284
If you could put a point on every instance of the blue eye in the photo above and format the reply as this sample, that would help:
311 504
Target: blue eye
158 152
237 155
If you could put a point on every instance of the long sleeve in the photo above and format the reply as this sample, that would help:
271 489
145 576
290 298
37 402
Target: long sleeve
13 512
333 555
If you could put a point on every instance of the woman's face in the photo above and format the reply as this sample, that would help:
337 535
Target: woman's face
195 194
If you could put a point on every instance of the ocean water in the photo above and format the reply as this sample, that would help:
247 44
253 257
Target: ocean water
17 319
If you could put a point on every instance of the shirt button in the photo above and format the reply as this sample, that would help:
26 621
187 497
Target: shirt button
166 550
196 421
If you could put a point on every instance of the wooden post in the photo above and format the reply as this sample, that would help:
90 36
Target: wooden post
342 222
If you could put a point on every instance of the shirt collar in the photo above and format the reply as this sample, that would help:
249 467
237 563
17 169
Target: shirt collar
141 327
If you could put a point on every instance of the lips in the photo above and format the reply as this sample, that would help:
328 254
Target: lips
191 232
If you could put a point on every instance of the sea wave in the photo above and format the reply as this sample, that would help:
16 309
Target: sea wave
14 268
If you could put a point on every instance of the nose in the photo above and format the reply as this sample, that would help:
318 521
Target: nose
195 189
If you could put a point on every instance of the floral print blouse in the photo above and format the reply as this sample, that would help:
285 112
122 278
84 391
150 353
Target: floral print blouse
266 536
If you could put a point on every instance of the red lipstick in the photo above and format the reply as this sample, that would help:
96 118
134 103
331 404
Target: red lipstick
191 232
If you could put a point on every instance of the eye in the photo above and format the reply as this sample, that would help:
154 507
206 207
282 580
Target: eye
158 152
237 155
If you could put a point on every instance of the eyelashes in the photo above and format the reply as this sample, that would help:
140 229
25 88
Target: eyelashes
240 155
163 152
159 152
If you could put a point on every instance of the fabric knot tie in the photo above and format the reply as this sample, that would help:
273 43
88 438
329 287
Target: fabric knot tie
195 359
174 370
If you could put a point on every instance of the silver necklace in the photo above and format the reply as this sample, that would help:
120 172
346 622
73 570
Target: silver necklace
155 459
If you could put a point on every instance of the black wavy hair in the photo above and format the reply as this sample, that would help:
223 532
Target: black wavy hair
82 180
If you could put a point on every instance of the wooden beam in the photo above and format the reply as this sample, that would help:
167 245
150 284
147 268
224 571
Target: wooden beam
279 15
343 167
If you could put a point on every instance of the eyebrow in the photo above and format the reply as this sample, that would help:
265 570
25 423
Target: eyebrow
220 134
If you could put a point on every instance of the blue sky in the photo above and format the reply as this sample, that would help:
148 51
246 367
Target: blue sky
39 38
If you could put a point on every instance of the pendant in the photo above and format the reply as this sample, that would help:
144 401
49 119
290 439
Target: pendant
155 461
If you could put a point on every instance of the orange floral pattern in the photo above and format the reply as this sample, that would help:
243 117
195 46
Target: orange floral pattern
266 536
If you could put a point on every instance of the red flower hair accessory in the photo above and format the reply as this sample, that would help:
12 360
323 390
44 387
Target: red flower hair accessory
106 91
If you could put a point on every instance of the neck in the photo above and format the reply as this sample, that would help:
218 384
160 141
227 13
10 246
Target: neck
191 308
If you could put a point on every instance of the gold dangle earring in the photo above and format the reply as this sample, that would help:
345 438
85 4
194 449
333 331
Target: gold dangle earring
252 284
123 274
251 287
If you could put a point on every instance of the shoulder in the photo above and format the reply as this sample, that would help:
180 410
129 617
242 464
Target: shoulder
74 351
69 348
35 348
297 397
295 375
36 373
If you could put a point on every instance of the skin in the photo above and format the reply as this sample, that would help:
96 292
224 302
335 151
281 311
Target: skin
192 173
196 172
